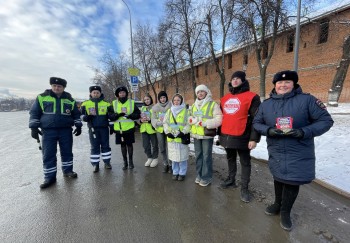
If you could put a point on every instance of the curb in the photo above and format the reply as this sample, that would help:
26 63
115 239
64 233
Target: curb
321 183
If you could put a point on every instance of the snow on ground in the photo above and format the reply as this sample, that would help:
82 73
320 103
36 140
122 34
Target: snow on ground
332 150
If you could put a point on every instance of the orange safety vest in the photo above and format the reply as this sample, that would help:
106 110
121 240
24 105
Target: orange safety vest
235 112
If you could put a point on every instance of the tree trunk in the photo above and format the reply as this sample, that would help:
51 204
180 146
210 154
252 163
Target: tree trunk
262 83
338 81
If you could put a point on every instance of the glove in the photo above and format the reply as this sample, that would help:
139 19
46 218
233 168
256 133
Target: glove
111 130
77 131
88 118
274 132
202 124
295 133
180 135
35 133
192 120
170 135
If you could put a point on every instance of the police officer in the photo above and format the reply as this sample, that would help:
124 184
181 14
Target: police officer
95 112
55 112
125 112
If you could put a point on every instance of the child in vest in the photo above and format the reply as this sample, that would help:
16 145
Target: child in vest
95 112
176 127
149 137
205 114
158 113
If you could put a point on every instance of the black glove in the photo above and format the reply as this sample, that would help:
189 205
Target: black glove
181 135
111 130
77 131
170 135
88 118
274 132
35 133
295 133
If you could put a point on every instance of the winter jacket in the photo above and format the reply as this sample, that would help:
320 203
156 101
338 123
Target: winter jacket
103 110
249 134
293 159
49 111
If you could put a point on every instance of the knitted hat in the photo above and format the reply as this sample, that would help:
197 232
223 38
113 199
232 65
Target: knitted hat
92 88
202 87
239 74
59 81
286 75
162 93
121 88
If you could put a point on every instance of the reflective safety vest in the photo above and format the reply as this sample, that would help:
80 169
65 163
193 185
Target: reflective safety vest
100 110
160 117
123 123
235 110
146 127
206 112
181 120
48 105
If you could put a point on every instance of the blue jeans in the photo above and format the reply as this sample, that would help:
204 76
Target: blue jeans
180 168
204 161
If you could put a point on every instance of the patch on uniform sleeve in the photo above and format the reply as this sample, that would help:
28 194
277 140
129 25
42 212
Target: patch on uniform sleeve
320 104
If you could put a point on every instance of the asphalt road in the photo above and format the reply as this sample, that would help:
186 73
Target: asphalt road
145 205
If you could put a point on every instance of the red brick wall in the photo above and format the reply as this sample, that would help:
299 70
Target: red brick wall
316 68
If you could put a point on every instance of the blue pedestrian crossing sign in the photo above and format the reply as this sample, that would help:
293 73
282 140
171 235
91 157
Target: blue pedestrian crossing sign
134 80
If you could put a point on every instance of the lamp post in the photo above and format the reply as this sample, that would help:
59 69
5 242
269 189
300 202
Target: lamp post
131 42
297 38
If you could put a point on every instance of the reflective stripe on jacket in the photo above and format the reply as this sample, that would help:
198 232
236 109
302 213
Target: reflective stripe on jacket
99 109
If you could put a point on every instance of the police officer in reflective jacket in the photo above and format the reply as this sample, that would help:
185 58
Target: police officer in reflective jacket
55 112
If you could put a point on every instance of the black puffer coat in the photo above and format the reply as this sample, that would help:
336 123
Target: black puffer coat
241 142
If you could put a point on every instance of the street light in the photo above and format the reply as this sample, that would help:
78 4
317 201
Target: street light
131 42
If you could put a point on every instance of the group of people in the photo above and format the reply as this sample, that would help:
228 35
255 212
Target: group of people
290 119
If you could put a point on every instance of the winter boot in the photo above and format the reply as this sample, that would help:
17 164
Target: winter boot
228 182
289 195
170 171
96 168
108 166
245 197
154 163
165 168
125 157
275 208
148 162
71 174
131 164
47 183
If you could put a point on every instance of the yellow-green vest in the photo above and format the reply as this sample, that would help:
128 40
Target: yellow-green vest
123 123
160 129
181 120
102 107
146 127
206 112
48 105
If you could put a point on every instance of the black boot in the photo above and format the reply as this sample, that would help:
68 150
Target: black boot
130 152
245 197
124 153
275 208
96 168
228 182
47 183
290 193
165 168
170 171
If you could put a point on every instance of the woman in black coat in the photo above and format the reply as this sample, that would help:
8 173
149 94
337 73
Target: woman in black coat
290 119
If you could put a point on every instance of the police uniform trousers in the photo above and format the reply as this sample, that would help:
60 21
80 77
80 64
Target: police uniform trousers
50 138
99 140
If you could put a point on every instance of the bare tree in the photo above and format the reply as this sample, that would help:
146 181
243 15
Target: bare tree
338 81
219 13
260 21
183 16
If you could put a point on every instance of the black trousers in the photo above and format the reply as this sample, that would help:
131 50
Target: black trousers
244 159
